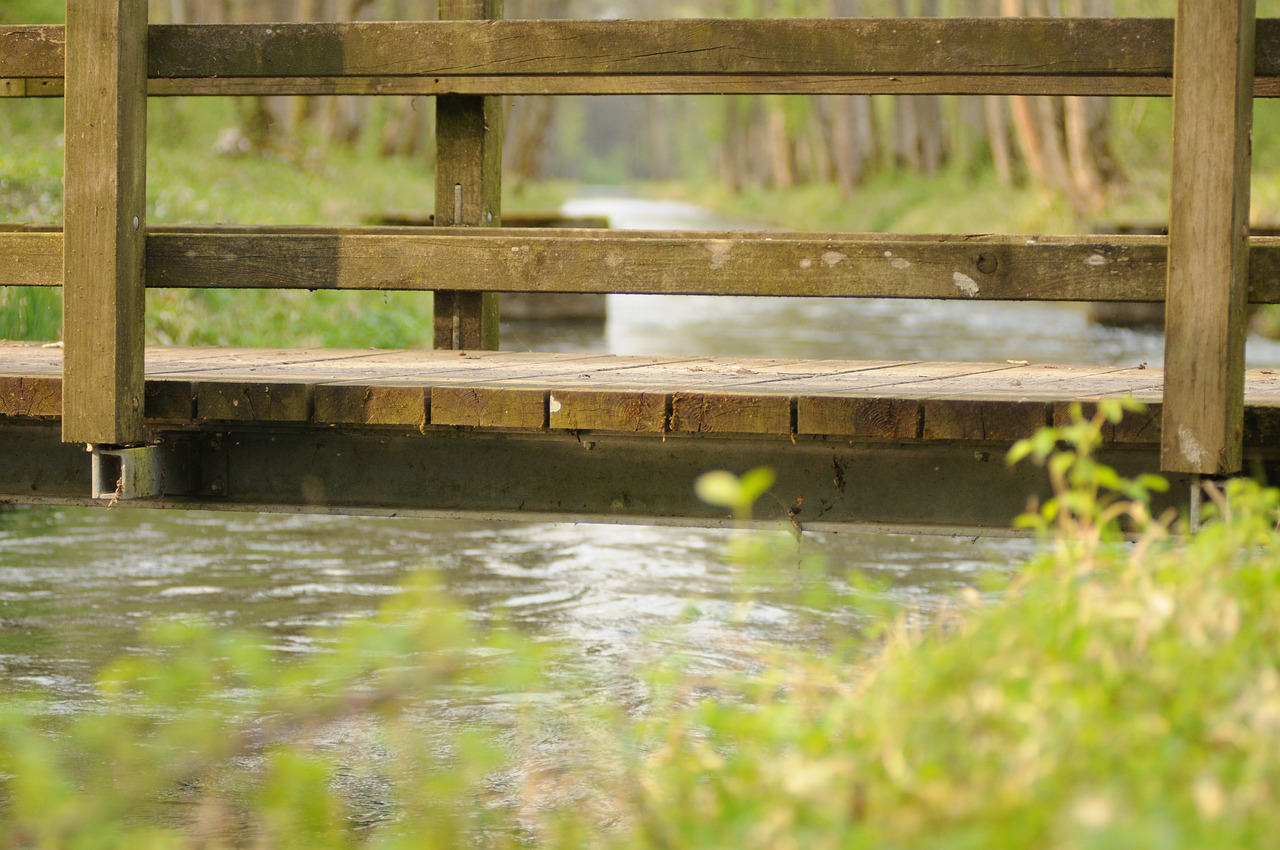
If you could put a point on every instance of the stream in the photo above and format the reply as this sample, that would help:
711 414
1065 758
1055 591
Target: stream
76 585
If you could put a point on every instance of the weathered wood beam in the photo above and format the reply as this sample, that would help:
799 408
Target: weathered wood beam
1140 47
30 259
833 484
1045 268
468 192
983 56
706 264
1205 316
105 243
1268 87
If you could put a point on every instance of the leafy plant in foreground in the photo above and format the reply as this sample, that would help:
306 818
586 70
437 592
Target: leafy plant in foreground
1113 694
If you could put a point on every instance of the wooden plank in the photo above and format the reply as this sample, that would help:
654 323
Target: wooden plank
842 399
972 84
731 263
1045 47
627 411
1262 426
606 85
982 420
731 413
105 248
32 50
489 407
34 397
1041 383
173 401
1205 315
347 404
30 259
1134 429
890 56
242 401
38 87
469 132
468 369
881 418
1070 268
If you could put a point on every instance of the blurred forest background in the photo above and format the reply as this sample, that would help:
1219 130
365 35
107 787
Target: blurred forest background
773 141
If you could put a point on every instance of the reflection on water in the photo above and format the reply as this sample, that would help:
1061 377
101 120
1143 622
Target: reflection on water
75 585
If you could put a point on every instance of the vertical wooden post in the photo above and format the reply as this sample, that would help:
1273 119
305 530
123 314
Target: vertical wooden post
1208 237
105 231
468 189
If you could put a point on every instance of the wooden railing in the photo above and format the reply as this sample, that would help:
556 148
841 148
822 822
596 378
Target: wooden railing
1207 269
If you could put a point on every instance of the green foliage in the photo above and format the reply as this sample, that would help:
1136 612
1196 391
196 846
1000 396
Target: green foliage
33 12
208 740
1092 500
723 489
1113 693
30 313
1110 695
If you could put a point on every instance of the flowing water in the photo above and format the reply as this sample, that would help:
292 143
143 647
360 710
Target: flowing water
77 584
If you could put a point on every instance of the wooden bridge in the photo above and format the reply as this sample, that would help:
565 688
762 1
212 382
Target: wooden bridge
467 430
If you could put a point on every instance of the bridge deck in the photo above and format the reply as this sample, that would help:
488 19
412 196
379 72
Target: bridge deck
633 395
588 437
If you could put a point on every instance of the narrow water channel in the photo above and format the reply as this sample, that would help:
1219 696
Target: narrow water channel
77 584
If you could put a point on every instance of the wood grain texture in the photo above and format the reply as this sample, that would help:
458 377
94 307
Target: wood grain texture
1067 268
995 421
343 404
1008 56
1136 427
468 191
489 407
171 400
30 397
32 50
880 418
512 260
638 396
730 413
900 46
1208 274
626 411
244 401
30 259
104 248
980 84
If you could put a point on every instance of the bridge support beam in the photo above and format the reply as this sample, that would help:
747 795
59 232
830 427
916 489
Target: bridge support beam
1208 237
822 484
104 251
468 190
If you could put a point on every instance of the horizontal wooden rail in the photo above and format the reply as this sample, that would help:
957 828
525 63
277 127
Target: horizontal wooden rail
1015 268
1113 56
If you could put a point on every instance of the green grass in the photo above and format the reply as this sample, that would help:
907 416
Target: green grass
189 183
